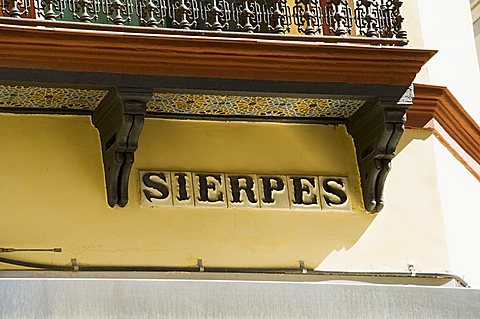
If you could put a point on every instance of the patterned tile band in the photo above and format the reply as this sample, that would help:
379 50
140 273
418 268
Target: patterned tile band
181 103
199 104
49 98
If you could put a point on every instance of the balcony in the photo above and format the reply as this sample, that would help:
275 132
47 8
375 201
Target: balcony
370 21
331 62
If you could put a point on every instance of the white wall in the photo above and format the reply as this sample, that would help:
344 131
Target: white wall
475 5
410 229
460 193
447 27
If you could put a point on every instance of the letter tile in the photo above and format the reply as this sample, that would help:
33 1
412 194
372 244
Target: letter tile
155 188
210 190
242 191
182 189
304 192
273 192
334 193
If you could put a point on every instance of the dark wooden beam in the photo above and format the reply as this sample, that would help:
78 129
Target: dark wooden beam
376 129
119 119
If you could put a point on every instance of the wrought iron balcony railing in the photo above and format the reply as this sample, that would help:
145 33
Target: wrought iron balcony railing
367 18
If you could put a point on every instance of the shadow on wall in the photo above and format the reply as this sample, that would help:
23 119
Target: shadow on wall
61 156
418 134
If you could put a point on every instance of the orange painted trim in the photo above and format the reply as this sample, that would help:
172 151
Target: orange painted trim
199 55
435 108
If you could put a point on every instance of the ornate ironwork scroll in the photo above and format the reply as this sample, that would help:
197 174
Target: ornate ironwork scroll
372 18
151 13
247 15
216 14
278 16
308 16
117 11
15 8
397 19
51 9
367 17
339 17
84 10
184 13
380 18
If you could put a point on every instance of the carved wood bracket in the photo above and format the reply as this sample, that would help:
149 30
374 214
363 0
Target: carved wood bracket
376 129
119 119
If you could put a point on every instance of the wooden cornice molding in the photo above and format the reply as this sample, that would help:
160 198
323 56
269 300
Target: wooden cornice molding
196 55
435 108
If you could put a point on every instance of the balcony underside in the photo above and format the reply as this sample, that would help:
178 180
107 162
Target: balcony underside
375 120
119 78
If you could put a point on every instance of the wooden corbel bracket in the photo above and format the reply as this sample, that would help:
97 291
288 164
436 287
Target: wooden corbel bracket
119 119
376 129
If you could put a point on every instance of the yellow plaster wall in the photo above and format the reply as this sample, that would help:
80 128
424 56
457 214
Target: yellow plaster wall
52 195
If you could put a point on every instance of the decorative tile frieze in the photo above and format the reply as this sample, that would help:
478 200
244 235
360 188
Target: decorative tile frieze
49 98
32 97
258 106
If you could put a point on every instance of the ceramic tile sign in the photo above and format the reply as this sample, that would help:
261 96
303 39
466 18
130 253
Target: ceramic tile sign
295 192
